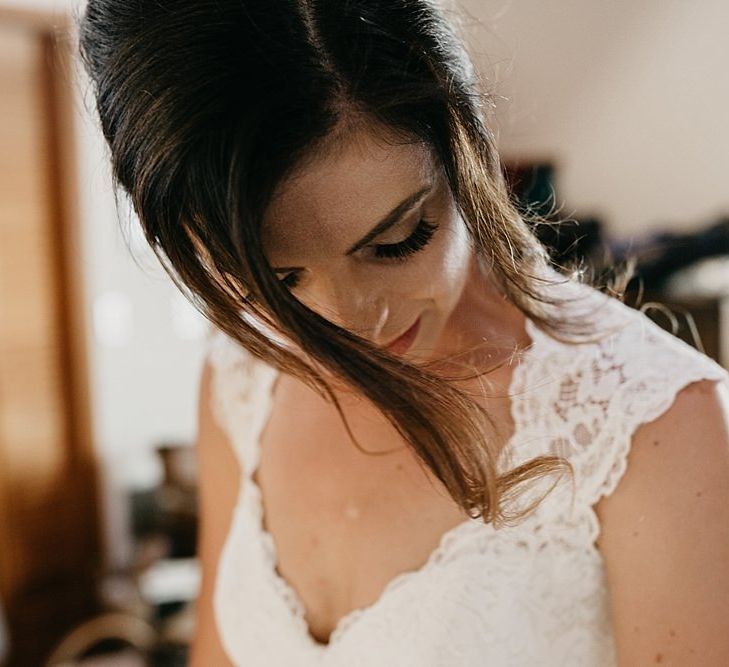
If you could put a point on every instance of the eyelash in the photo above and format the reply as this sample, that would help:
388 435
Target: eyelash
414 243
395 251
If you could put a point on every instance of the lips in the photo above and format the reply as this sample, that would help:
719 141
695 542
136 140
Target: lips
405 340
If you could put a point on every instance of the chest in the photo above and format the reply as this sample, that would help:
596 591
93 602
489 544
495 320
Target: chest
347 518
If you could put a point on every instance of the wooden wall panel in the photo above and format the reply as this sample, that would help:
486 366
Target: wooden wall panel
49 533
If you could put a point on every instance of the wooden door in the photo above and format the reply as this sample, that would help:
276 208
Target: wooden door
49 537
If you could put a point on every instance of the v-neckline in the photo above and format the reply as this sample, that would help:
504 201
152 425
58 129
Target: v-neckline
281 585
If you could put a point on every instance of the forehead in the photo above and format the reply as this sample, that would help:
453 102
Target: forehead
344 191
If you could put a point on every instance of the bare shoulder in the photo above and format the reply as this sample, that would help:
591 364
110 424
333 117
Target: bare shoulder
665 534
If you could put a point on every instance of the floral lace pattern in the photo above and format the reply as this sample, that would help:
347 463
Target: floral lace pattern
533 594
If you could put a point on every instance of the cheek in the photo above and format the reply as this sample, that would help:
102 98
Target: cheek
441 275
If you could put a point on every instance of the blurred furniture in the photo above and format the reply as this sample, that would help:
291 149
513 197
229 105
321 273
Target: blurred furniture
129 633
696 320
49 532
150 623
694 316
169 510
149 612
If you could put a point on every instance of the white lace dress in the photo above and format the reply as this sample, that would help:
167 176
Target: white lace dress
534 594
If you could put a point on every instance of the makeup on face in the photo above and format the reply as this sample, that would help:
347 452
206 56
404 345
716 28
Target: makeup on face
370 239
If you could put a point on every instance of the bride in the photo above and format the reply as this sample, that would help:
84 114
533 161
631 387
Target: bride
419 443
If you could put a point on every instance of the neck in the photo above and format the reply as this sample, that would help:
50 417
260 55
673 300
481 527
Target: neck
485 328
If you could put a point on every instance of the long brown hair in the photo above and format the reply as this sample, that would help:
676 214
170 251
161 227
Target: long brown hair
207 105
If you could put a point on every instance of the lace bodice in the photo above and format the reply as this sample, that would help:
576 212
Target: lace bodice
533 594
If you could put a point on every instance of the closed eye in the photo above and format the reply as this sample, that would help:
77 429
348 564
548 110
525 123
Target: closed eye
396 251
414 243
291 280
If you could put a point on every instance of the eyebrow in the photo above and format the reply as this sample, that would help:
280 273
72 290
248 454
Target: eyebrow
383 225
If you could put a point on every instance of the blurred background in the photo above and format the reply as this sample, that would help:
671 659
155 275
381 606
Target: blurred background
609 114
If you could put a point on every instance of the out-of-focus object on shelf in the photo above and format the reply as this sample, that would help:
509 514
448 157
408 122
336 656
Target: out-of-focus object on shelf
660 256
686 276
169 511
708 279
707 282
128 634
695 320
50 545
150 603
171 580
681 279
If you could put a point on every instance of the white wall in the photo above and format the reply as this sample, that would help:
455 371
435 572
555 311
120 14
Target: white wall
629 97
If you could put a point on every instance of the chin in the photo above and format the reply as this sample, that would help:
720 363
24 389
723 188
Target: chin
423 346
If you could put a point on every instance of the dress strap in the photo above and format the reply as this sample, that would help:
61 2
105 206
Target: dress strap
636 382
241 391
585 402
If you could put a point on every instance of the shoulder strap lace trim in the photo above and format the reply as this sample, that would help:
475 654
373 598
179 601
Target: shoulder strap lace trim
240 391
585 402
644 376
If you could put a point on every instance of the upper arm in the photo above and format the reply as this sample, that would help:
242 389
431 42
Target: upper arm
218 480
665 536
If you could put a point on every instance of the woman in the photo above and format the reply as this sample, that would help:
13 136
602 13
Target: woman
396 369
